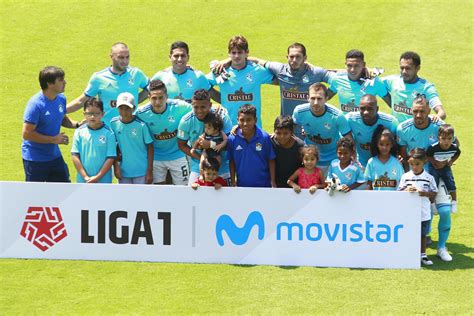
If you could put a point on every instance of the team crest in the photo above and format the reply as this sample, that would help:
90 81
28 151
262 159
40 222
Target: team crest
258 147
305 79
348 176
394 172
249 77
327 126
102 139
432 138
189 83
134 132
130 81
61 109
171 119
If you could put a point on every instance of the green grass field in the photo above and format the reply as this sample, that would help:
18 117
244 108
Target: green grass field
77 36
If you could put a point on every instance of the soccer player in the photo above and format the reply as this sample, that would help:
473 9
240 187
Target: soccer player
244 82
180 79
107 84
94 147
323 124
191 128
135 145
250 152
162 116
363 124
405 87
44 115
351 85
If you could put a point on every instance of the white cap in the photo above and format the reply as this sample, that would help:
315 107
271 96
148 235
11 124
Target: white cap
126 98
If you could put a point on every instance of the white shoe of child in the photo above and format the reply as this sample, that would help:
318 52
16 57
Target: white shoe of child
443 254
425 260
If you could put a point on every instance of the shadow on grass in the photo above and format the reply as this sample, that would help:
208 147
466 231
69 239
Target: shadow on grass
461 258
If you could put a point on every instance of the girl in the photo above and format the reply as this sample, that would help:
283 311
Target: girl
309 176
383 171
349 172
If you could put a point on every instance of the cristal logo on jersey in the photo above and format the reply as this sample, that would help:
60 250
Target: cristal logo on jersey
294 94
319 140
240 95
165 135
43 227
402 108
350 107
385 182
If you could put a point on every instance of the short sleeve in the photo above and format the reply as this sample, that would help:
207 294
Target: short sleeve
211 79
430 151
183 130
343 125
264 75
369 176
400 139
296 117
333 83
142 79
433 186
380 88
76 142
230 147
360 175
146 134
111 146
92 88
271 152
274 67
387 83
227 123
432 96
203 82
402 185
32 114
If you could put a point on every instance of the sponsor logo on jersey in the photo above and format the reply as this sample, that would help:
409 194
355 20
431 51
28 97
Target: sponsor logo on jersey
240 95
319 140
350 107
294 94
165 135
385 182
402 108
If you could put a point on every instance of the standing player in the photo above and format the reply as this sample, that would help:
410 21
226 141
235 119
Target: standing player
323 124
364 123
405 87
244 82
180 79
162 116
350 86
107 84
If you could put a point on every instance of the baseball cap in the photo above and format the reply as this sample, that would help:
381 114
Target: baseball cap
127 99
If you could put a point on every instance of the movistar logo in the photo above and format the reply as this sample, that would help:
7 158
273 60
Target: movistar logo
239 235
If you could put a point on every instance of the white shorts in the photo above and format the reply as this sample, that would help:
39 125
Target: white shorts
179 170
194 176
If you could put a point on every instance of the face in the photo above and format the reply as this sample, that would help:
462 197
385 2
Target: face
368 111
416 165
420 114
179 60
296 59
125 112
384 145
246 123
210 130
283 135
158 99
309 161
238 57
354 67
58 86
344 154
120 58
93 116
408 70
445 141
201 108
210 174
317 99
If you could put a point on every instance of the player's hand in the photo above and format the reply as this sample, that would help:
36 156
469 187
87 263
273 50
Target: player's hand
204 143
149 176
234 130
195 186
273 184
219 147
217 186
313 189
296 188
411 189
61 139
345 188
93 179
118 172
219 66
434 118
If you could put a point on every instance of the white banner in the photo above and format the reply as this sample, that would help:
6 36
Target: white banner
360 229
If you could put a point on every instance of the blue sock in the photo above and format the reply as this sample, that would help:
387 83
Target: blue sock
444 225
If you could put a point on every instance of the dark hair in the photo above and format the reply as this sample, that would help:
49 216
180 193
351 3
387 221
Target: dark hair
418 153
310 150
214 120
420 99
446 130
210 163
355 53
157 84
297 45
346 143
201 95
238 42
94 102
248 109
284 121
179 44
319 87
378 133
49 74
413 56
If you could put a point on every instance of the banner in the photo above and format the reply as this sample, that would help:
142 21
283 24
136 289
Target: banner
360 229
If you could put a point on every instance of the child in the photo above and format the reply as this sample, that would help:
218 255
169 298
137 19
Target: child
250 152
287 149
94 147
418 180
383 171
309 176
135 145
213 133
209 175
349 172
441 156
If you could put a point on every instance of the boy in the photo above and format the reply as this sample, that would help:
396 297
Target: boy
287 149
209 175
441 156
94 147
135 145
250 152
418 180
213 125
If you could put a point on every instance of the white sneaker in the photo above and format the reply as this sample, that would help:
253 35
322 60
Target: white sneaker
434 209
454 206
426 261
443 254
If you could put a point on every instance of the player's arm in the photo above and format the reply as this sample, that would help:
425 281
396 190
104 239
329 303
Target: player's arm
76 160
404 156
77 103
149 167
440 113
388 99
369 185
353 186
215 95
143 95
272 168
103 171
117 169
232 173
184 147
30 133
291 182
69 123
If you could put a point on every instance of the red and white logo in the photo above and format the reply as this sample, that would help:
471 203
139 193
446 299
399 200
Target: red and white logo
43 227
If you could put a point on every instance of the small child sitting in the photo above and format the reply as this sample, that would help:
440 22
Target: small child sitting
209 175
213 133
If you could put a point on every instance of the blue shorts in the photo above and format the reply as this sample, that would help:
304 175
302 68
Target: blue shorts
46 171
425 228
444 173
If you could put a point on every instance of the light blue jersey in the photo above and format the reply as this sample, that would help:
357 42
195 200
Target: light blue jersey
182 86
242 87
384 176
348 176
190 128
94 147
349 91
403 95
164 128
411 137
323 131
132 138
363 133
107 85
